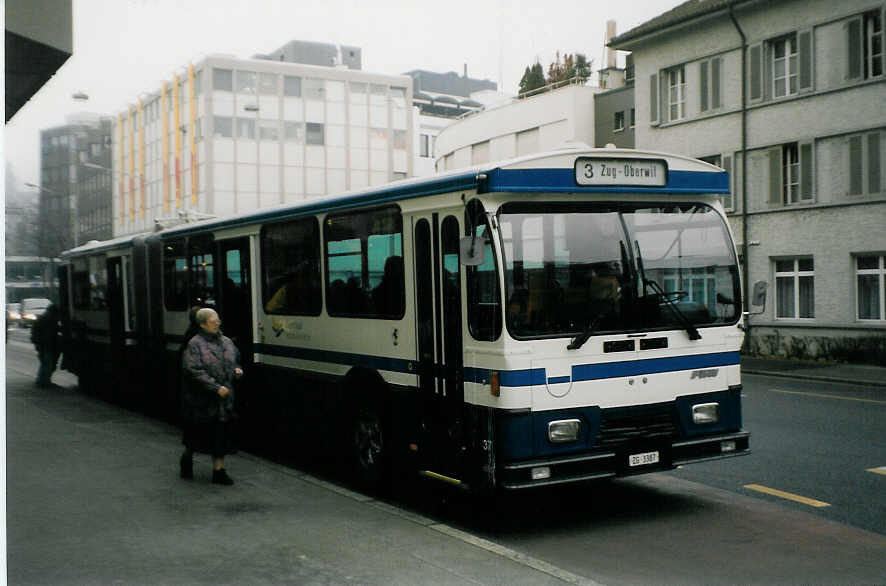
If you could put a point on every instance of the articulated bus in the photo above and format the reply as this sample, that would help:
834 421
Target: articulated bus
560 317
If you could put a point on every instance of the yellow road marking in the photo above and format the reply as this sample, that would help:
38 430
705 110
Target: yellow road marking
787 495
880 470
824 396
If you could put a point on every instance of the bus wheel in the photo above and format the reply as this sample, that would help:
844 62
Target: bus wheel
370 449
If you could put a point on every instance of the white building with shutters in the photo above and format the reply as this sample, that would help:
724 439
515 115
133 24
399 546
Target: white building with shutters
226 135
790 97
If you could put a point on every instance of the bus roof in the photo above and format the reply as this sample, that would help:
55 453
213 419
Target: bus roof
551 172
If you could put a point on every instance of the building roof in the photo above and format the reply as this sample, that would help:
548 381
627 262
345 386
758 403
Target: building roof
449 83
685 12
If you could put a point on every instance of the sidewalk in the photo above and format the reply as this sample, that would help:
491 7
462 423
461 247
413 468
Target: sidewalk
835 372
94 497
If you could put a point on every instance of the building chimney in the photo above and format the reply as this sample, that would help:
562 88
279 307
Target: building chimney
466 71
610 52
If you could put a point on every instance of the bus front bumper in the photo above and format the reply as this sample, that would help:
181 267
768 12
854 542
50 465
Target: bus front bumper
624 461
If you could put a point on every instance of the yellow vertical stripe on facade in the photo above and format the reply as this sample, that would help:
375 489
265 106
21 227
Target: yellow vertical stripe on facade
120 167
164 145
192 124
176 125
141 157
131 164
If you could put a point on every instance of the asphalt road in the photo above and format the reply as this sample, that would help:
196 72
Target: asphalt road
700 524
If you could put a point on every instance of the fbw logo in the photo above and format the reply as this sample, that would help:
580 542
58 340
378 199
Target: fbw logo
709 373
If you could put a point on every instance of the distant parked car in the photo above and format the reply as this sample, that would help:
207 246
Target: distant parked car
13 314
32 308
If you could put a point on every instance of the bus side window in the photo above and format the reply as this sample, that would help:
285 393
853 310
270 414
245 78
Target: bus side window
483 294
201 276
175 273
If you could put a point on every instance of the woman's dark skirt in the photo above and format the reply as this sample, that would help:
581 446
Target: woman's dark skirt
218 438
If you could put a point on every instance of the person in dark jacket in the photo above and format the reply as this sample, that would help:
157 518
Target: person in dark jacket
46 339
210 364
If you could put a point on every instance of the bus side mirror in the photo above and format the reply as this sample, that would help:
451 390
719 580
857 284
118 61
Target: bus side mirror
758 297
472 250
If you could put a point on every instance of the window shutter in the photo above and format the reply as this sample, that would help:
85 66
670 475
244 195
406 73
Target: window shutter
853 67
874 162
755 57
703 84
775 185
806 171
664 101
653 99
715 83
727 199
855 165
804 42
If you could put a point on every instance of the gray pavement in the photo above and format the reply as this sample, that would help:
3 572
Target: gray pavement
94 497
835 372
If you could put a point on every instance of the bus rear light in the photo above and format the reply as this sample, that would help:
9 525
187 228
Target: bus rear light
565 430
705 413
494 385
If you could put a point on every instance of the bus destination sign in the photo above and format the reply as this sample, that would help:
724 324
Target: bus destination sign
639 172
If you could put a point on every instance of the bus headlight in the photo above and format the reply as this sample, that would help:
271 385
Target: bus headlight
704 413
565 430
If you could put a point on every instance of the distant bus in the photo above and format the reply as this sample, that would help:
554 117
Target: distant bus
556 318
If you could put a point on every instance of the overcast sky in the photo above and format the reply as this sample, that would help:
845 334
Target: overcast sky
125 47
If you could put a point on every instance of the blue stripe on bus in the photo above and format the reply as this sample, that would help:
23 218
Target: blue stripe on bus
559 379
584 372
563 181
376 362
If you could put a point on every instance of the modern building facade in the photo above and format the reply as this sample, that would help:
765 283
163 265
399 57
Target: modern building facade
439 99
544 121
75 184
790 97
228 135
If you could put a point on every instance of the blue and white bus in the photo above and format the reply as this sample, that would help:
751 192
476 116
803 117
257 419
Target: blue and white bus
560 317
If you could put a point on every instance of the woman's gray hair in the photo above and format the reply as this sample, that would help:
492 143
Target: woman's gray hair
204 314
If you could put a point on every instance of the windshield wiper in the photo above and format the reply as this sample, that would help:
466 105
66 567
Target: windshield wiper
579 340
665 297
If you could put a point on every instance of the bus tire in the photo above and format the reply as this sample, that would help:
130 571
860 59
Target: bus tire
371 447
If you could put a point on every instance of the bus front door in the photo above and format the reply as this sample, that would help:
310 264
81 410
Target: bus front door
439 334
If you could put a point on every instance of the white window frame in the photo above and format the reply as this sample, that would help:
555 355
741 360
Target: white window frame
880 273
870 21
790 173
795 274
676 93
781 66
619 123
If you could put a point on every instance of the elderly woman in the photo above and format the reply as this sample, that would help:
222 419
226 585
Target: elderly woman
210 364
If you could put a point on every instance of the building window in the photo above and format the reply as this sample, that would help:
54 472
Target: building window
784 66
267 84
223 126
245 128
790 172
795 288
246 82
291 86
223 80
870 281
865 174
314 89
725 163
865 46
633 117
424 145
314 133
619 121
677 93
294 131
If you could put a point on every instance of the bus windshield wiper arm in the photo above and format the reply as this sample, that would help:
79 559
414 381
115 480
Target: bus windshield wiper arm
681 317
579 340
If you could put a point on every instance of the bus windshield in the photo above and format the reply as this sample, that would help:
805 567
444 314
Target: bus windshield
570 268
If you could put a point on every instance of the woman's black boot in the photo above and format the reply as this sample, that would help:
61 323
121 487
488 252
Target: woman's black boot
221 477
186 466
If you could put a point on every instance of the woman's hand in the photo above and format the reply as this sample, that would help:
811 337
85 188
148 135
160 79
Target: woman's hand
238 372
223 392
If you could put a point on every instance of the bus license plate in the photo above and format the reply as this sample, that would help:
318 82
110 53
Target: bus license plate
643 459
